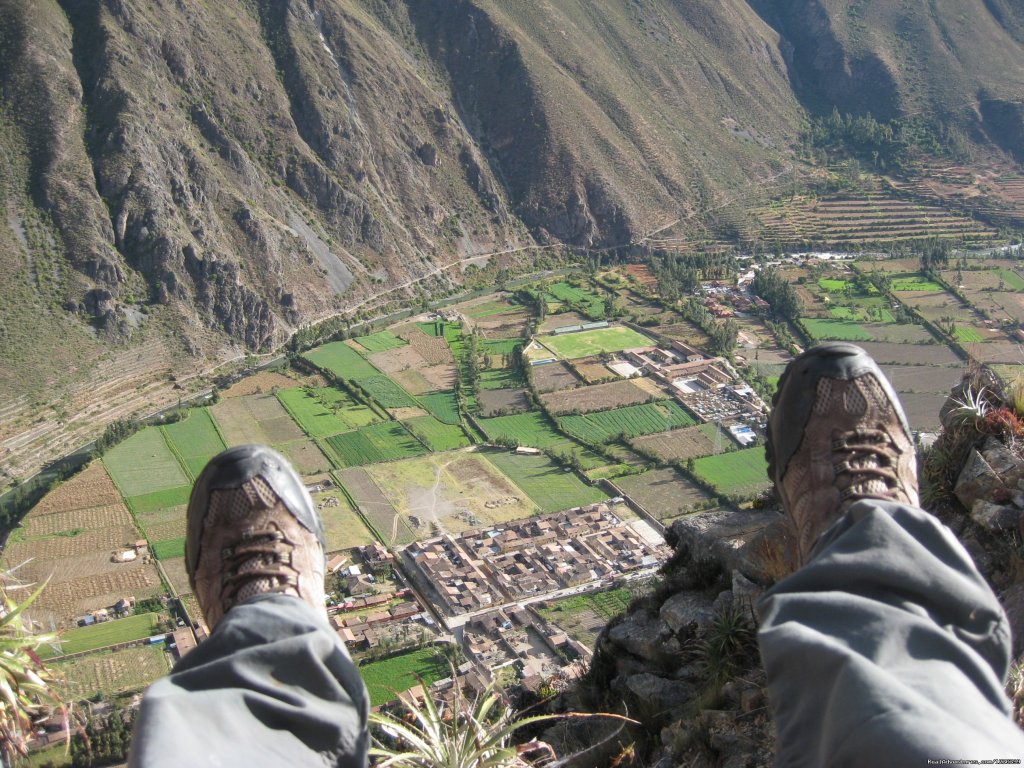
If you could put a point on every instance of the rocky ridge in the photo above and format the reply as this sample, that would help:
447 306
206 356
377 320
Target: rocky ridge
683 660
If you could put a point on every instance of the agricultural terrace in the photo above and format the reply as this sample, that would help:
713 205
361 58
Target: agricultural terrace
341 360
195 440
436 435
627 422
664 493
739 472
550 486
387 678
381 341
101 635
534 430
443 406
68 538
380 442
144 464
587 343
114 672
325 411
453 491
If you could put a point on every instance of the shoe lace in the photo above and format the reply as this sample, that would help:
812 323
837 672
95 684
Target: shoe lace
864 461
261 562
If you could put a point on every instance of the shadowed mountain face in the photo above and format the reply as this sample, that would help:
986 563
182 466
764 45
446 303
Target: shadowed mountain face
224 172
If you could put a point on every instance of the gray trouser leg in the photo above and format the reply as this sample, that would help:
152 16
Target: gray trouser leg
273 685
887 648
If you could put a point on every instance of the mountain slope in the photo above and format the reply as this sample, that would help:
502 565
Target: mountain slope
204 178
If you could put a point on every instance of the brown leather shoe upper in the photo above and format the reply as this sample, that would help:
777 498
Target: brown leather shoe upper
854 443
248 541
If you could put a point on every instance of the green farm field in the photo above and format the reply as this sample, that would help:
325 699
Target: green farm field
548 485
255 419
381 341
195 440
101 635
437 435
322 414
534 430
144 464
444 406
630 421
153 502
341 360
169 548
580 298
743 471
586 343
911 281
380 442
389 677
500 378
386 392
115 672
842 330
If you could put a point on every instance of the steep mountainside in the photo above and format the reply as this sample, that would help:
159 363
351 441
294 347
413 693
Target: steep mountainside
202 178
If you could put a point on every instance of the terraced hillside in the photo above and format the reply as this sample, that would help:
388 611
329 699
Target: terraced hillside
872 218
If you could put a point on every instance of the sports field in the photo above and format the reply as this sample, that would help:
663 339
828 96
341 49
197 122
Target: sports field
628 422
144 464
380 442
551 487
386 679
436 435
744 471
101 635
586 343
341 360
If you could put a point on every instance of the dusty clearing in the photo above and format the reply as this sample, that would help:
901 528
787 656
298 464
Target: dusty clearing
450 492
262 383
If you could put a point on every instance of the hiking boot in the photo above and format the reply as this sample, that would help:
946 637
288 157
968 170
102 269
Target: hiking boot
837 434
252 530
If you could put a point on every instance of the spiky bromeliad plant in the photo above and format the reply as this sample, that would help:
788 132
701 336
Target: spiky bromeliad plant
28 689
473 734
